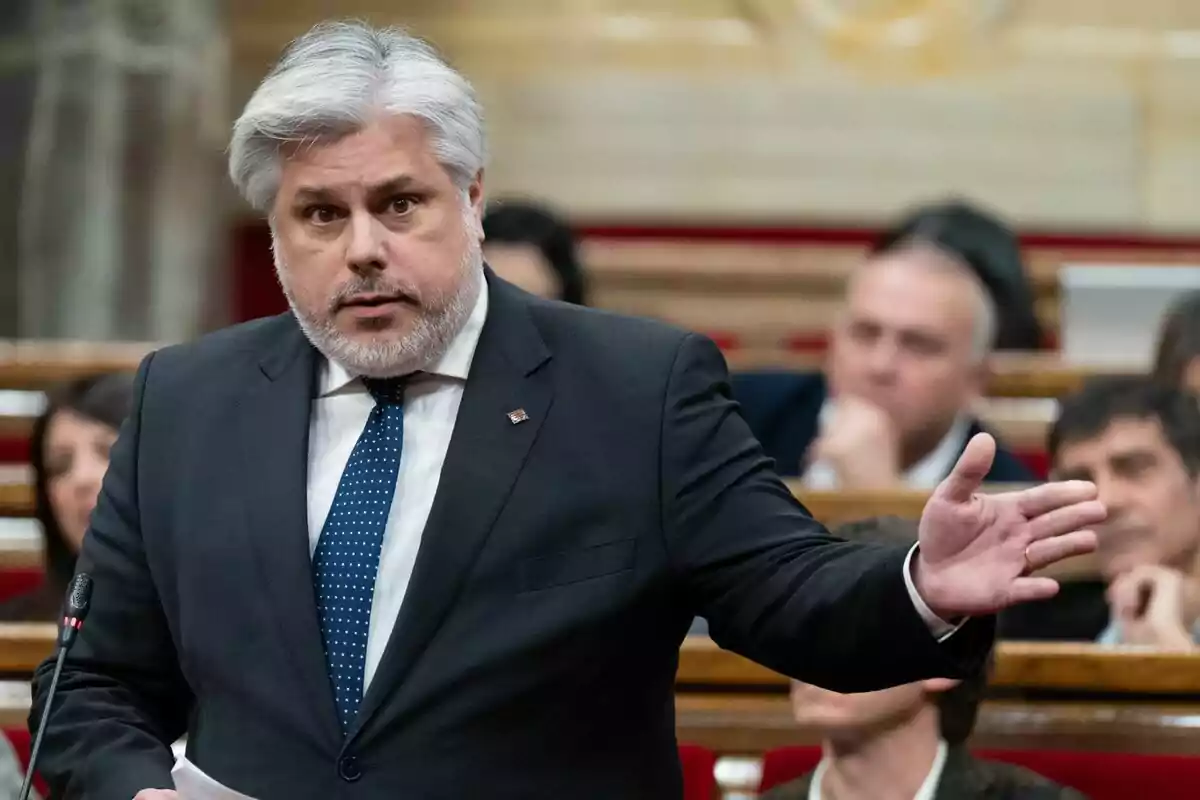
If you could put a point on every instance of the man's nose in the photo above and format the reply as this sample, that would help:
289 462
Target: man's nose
881 359
364 250
1113 495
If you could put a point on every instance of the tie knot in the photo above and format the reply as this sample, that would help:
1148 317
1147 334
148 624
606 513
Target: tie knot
386 391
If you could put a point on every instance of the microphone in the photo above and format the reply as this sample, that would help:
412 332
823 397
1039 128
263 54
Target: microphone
79 602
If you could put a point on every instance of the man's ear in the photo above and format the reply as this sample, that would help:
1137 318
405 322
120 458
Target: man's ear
475 199
981 375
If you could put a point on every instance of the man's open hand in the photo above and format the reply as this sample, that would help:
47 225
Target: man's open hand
977 551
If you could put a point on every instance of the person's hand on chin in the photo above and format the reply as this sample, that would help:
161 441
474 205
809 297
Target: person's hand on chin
978 551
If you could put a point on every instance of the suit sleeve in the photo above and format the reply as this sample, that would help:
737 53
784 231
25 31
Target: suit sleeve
771 581
121 699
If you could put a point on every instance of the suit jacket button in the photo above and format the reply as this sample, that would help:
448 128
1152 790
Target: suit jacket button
348 769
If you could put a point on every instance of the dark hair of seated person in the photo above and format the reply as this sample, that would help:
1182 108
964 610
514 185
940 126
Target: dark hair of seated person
1089 412
990 249
105 399
524 222
958 707
1179 342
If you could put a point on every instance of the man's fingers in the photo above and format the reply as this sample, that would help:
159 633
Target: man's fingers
1038 500
1127 594
1027 590
1045 552
970 470
1074 517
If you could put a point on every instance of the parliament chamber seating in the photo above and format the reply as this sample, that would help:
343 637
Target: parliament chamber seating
1099 776
699 772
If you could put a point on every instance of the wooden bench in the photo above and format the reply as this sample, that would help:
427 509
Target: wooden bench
771 294
1013 375
1019 666
749 725
39 365
34 365
732 721
14 704
1043 695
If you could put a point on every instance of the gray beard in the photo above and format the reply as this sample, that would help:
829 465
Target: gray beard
431 335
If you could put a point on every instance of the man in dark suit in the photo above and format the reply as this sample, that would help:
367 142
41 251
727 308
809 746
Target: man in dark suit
907 361
427 536
1138 440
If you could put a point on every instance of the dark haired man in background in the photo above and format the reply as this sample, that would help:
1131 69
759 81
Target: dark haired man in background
1139 442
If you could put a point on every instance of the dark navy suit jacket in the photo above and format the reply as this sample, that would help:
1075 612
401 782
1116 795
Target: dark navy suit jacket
561 565
783 409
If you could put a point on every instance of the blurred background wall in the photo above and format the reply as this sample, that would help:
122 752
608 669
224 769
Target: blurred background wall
1071 116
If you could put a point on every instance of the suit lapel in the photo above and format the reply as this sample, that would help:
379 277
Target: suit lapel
960 777
486 453
274 425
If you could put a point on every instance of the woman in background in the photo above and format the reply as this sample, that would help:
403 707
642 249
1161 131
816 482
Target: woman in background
69 455
530 246
1178 361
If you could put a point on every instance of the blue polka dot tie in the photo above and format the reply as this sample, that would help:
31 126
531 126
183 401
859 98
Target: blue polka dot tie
347 557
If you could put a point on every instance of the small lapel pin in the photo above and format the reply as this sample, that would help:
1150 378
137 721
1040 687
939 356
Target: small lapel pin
517 416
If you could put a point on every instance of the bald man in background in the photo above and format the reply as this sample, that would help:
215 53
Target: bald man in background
908 360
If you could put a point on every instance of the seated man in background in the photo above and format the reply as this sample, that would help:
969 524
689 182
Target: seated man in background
530 246
1139 441
905 742
908 358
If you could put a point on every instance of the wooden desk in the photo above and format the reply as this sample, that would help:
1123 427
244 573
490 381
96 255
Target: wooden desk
1028 375
14 704
16 491
748 725
1029 666
40 364
24 645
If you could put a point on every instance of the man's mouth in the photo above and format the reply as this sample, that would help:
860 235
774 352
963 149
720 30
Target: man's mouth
373 300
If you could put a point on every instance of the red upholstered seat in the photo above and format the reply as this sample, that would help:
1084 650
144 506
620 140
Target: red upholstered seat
699 772
1110 776
19 580
1038 462
21 742
785 764
14 450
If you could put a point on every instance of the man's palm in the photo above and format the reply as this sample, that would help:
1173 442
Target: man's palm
977 550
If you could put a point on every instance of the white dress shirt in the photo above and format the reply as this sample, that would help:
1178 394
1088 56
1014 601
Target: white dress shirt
926 791
431 402
924 475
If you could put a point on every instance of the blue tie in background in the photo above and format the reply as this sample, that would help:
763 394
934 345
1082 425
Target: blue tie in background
347 557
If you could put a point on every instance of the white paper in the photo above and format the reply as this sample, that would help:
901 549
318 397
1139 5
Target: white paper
192 784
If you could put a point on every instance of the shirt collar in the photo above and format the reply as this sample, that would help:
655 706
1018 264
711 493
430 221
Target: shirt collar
455 363
927 790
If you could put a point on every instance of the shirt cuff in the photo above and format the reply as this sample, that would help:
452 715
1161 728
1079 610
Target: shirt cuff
941 629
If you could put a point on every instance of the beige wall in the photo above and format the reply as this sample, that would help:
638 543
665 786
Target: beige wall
1063 113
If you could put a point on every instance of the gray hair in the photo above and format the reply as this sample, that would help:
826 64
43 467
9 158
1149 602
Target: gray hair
332 81
983 336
